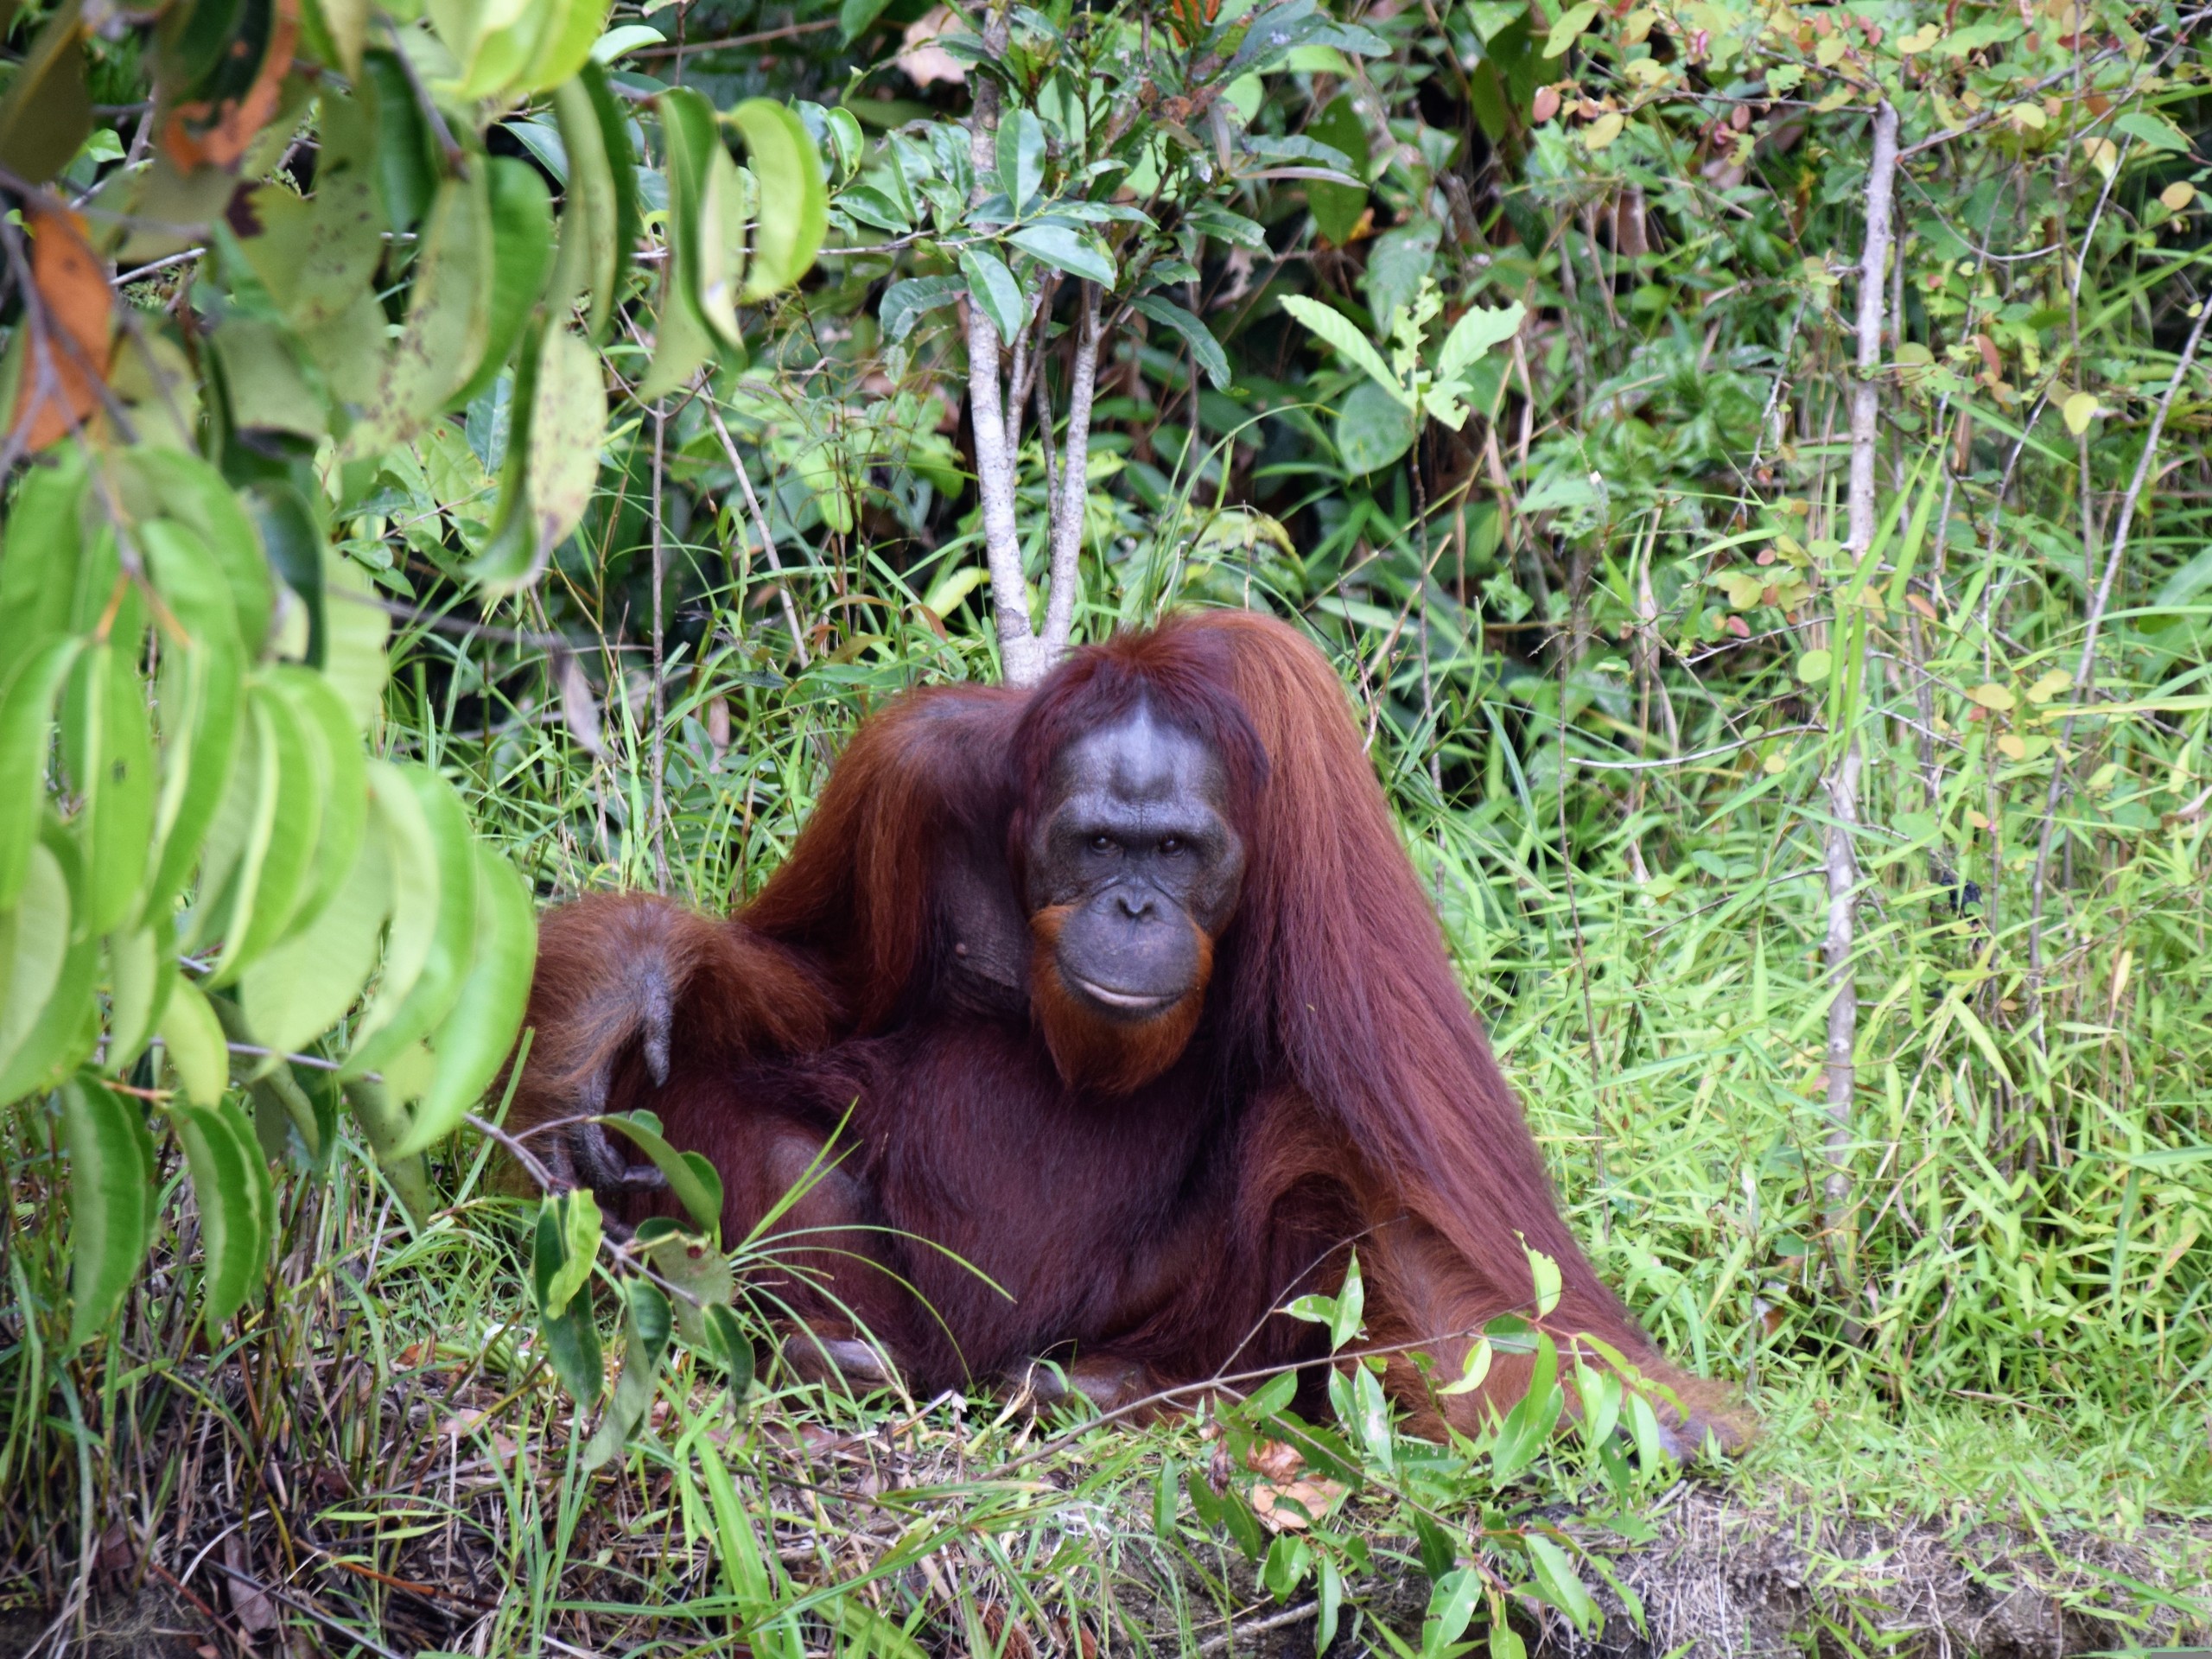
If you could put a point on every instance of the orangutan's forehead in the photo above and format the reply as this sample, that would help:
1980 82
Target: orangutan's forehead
1140 758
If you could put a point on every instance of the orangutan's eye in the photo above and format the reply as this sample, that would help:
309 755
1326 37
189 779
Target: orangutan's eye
1172 845
1101 843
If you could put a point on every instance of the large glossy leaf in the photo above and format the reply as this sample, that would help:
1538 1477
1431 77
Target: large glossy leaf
1021 157
415 870
567 1243
1060 248
141 970
110 1201
474 1040
199 695
794 213
991 286
238 1206
1337 207
1342 333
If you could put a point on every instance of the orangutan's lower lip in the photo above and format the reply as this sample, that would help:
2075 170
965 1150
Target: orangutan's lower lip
1125 1001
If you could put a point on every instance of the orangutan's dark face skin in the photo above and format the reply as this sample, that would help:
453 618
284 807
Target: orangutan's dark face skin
1139 855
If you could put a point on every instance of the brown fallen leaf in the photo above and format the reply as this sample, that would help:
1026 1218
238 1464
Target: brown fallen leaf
1296 1506
201 132
1278 1460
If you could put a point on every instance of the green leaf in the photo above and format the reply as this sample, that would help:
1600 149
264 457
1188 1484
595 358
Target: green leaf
644 1342
1473 335
194 1039
352 656
1058 248
451 940
1571 24
1340 332
111 767
794 213
586 260
47 112
65 1027
448 319
1561 1585
1021 158
110 1202
1543 1270
39 557
343 780
991 286
568 429
273 872
569 1228
1203 347
1373 429
238 1206
695 1186
141 971
1351 1302
25 739
853 17
198 693
2153 131
697 1267
33 947
476 1037
564 43
315 257
522 243
301 988
905 303
1450 1609
186 489
415 874
1337 207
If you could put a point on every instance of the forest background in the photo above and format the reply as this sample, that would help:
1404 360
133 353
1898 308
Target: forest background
1748 462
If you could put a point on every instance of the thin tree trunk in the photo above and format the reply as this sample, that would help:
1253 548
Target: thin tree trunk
1020 653
1841 784
659 697
1071 496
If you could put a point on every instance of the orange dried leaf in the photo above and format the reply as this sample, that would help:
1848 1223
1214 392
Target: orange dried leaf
204 133
68 356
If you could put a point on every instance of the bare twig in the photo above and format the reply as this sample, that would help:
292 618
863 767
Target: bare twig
760 524
2085 667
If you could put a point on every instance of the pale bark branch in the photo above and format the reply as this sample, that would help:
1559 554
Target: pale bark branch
1841 783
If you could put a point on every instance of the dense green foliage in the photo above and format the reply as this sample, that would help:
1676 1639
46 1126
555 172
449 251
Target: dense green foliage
478 471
